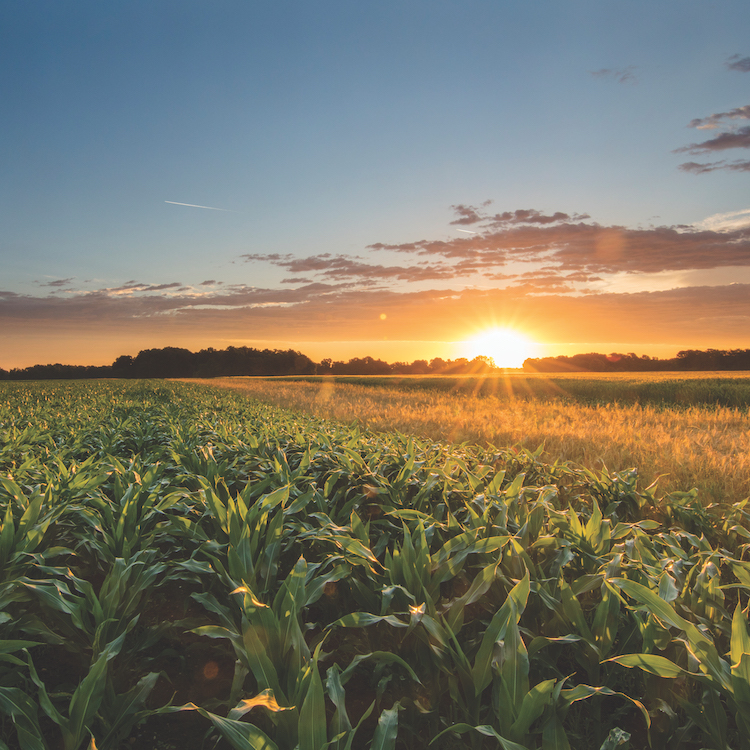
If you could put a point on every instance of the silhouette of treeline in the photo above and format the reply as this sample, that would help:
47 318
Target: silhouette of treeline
691 359
174 362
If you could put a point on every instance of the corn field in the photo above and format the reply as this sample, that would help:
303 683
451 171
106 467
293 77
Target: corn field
184 567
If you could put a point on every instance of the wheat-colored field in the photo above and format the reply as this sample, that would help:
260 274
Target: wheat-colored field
707 447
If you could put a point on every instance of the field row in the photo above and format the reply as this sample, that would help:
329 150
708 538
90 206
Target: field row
180 562
682 447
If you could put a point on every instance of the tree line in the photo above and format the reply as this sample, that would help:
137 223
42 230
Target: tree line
688 360
174 362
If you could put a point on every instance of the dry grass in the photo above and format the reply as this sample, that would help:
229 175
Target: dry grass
703 447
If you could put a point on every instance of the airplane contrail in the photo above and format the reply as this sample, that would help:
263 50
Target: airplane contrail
468 231
194 205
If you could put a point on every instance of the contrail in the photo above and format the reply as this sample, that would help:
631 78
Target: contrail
193 205
465 230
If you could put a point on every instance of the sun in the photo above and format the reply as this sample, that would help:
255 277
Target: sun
506 346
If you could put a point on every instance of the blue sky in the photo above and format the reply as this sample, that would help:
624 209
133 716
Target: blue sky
337 137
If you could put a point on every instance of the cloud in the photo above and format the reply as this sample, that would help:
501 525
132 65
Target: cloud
713 121
466 214
739 138
623 75
735 62
474 215
345 267
697 168
57 282
133 287
727 221
530 247
586 247
689 317
734 137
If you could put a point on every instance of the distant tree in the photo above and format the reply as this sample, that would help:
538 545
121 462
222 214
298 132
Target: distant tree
122 367
438 364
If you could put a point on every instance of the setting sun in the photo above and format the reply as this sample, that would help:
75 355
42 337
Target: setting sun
506 346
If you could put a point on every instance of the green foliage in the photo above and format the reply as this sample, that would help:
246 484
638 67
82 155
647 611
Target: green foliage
357 589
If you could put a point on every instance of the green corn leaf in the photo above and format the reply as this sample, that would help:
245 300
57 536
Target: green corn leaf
573 610
384 657
740 656
239 734
515 666
355 548
352 734
29 519
363 619
703 648
312 715
554 736
606 620
340 724
7 536
651 663
7 647
540 641
478 588
128 708
273 499
44 701
532 707
594 533
386 731
510 612
483 729
667 589
85 702
23 711
259 663
583 692
740 640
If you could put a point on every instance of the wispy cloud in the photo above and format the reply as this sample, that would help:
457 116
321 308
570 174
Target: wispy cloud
573 245
697 316
698 168
533 250
732 136
741 64
739 138
57 283
349 268
194 205
713 121
622 75
726 222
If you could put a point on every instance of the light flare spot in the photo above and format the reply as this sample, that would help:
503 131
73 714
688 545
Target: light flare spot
507 347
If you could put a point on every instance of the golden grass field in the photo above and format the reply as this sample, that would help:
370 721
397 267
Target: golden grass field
707 447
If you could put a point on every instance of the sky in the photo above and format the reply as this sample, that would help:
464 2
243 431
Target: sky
385 179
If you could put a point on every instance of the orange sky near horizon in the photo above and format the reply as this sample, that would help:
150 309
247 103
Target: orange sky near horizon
652 323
